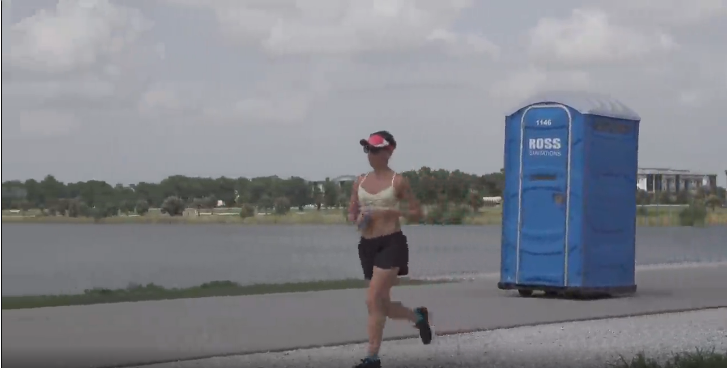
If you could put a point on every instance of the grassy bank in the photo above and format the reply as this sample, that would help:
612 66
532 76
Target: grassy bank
654 216
695 359
137 293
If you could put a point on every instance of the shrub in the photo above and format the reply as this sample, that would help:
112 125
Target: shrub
281 205
435 215
173 206
126 206
476 201
445 214
713 202
344 211
99 212
693 215
141 208
456 215
77 208
265 203
246 211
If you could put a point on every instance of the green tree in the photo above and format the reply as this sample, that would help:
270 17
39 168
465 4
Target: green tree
281 205
297 190
330 193
346 189
127 206
476 201
265 203
693 215
52 188
665 198
247 210
317 197
173 206
343 200
457 187
142 207
642 197
77 208
432 187
682 197
721 193
712 201
34 193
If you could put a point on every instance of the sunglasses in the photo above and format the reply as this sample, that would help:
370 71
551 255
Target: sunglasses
373 150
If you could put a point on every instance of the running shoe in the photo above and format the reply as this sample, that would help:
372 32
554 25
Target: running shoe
368 363
425 330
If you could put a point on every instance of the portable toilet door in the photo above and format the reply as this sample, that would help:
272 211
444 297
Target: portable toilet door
546 135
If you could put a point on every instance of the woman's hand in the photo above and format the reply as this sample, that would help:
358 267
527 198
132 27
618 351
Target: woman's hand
352 217
364 219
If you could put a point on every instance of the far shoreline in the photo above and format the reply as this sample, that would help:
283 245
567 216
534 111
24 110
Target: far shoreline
486 217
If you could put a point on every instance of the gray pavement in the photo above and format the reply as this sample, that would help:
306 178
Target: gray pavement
575 344
145 332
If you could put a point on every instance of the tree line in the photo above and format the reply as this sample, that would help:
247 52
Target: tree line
271 193
440 190
710 198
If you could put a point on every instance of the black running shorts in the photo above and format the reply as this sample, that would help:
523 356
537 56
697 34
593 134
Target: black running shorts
385 252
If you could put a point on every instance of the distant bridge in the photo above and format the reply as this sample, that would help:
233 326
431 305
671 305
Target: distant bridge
344 178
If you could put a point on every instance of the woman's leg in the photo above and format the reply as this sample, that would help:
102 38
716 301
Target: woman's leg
378 303
419 317
397 310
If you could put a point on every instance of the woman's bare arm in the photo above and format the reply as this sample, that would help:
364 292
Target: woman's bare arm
413 212
353 205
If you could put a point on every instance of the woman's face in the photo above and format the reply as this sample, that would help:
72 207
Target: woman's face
378 157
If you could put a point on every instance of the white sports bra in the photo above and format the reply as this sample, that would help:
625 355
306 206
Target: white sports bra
383 200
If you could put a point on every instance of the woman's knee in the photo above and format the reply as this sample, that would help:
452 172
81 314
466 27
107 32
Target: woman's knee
377 301
378 295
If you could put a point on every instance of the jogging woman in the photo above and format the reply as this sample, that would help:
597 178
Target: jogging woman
383 248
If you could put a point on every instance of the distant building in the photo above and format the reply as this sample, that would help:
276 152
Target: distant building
674 181
338 180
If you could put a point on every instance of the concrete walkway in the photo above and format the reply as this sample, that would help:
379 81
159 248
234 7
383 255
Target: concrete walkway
584 344
134 333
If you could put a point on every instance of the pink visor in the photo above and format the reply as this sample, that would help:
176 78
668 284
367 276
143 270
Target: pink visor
376 141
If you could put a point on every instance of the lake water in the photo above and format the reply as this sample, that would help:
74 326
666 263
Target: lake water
64 258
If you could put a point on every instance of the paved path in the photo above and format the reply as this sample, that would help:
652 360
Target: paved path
561 345
133 333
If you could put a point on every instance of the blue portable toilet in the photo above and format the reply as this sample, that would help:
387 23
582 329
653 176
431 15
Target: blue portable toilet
569 203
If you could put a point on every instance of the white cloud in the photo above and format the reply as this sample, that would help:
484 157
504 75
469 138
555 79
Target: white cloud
47 122
671 12
188 100
329 33
164 99
589 36
345 27
86 87
421 68
464 44
690 98
524 83
282 95
252 110
76 34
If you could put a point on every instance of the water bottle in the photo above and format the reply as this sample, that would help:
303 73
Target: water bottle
365 220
